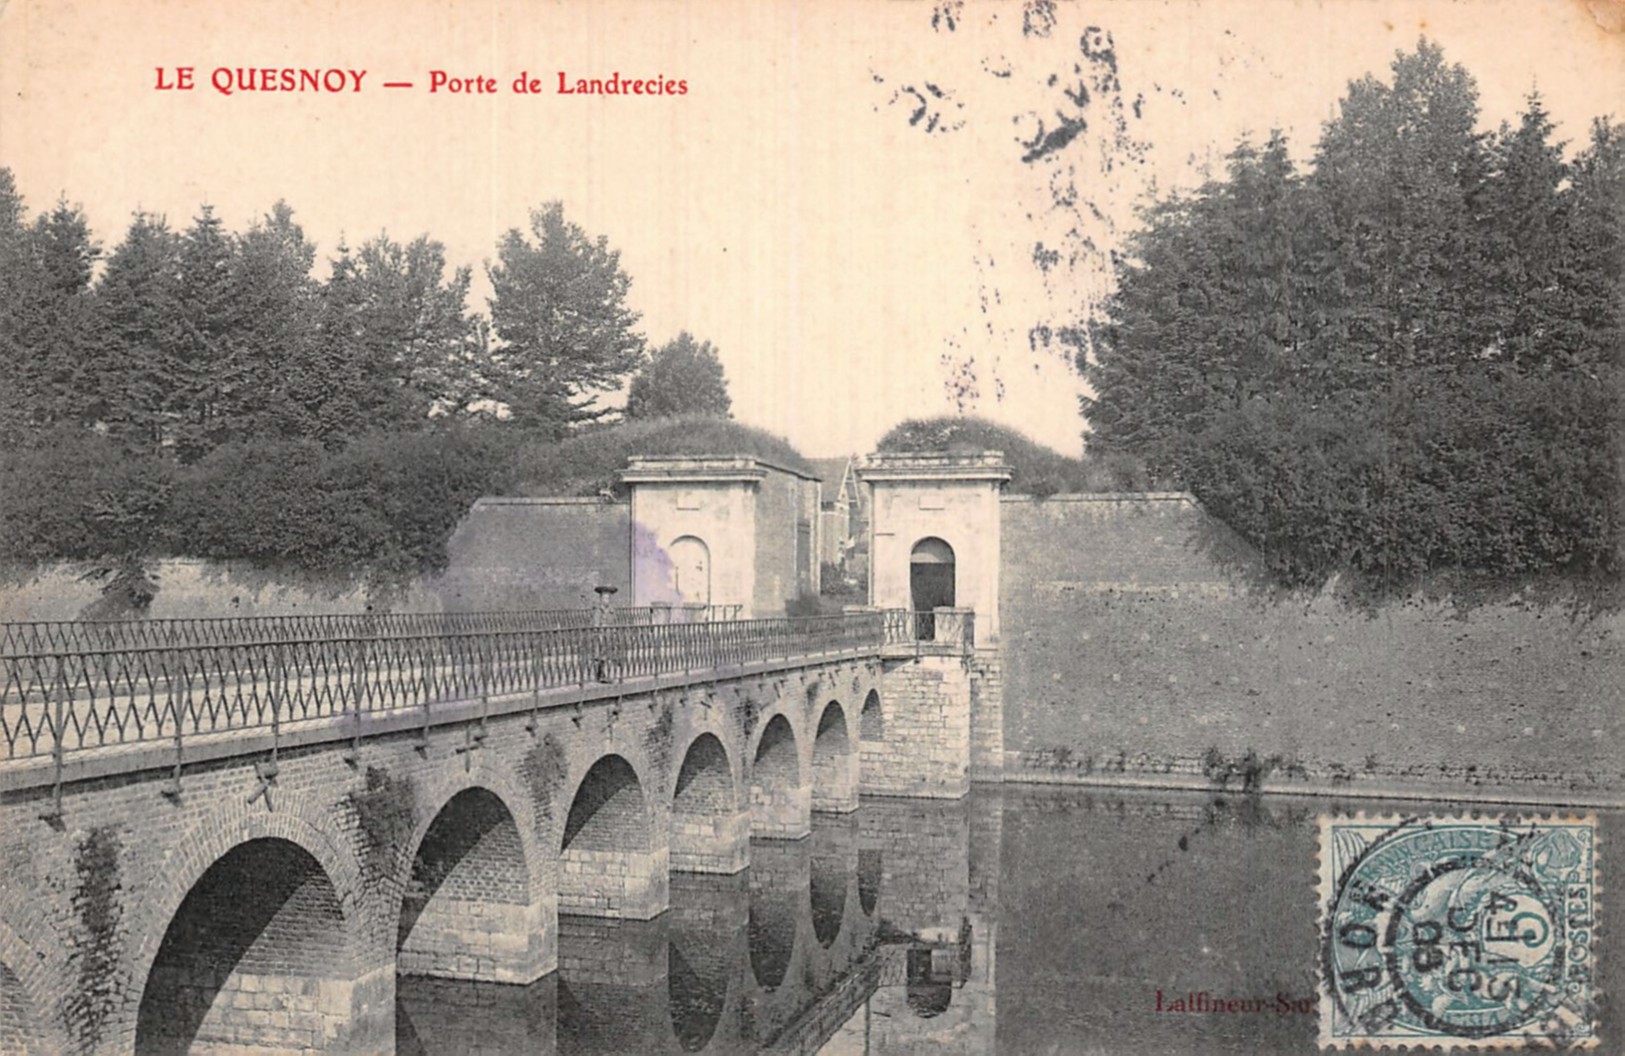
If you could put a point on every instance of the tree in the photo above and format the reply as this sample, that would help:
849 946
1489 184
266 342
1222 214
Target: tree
1404 362
400 332
207 317
275 377
558 308
1392 177
14 283
684 376
1520 215
138 306
1593 251
46 324
1593 277
1206 313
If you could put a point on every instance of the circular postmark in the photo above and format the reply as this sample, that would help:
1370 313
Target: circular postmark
1450 929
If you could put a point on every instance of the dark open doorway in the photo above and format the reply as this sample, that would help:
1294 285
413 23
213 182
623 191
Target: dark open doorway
930 583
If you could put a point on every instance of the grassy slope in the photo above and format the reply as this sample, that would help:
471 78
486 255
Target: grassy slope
1035 469
586 464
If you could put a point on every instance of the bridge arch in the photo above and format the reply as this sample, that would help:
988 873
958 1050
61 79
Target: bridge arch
779 880
710 830
827 894
698 993
321 881
28 1025
705 956
474 872
871 874
262 930
834 763
840 930
871 720
612 862
780 795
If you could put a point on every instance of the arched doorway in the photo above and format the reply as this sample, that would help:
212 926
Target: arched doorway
691 570
930 583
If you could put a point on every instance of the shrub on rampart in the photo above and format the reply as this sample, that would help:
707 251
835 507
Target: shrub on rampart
1034 469
380 509
589 463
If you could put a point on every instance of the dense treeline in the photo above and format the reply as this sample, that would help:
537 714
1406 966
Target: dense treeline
188 340
201 392
1405 360
380 508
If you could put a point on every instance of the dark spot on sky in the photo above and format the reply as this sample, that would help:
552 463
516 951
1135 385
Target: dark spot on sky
918 113
1098 45
1047 143
1038 18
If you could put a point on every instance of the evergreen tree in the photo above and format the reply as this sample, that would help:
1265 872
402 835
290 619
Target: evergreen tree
684 376
1393 173
558 308
399 332
273 380
1405 362
46 324
1593 251
1526 313
206 316
1204 314
138 308
1593 275
17 282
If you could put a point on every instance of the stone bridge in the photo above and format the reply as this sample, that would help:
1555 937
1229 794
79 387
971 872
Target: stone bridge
221 847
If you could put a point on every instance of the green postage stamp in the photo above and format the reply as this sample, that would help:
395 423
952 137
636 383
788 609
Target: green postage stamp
1452 932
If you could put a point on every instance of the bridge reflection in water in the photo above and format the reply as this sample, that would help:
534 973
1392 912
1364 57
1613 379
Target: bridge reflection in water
775 958
1013 921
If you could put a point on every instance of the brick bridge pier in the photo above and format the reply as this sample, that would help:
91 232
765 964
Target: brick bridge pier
228 844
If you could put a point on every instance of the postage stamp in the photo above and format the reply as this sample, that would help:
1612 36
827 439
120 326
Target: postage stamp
1450 932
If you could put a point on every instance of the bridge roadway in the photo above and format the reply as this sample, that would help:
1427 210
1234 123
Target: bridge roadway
237 848
92 691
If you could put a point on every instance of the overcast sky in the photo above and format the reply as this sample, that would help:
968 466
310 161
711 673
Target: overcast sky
866 207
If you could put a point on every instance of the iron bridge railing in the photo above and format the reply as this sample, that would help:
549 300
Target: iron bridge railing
57 636
67 701
932 631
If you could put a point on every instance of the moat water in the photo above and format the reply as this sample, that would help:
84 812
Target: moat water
1042 921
